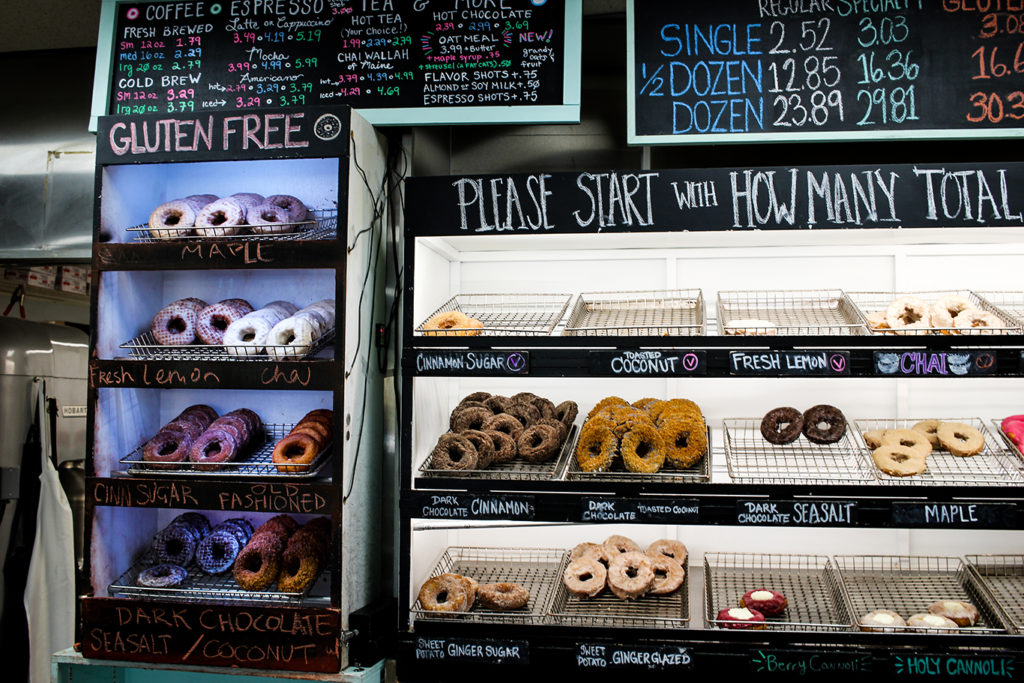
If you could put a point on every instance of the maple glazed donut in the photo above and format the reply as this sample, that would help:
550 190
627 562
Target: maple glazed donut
959 439
445 593
502 596
782 425
829 416
908 438
175 323
899 461
585 577
172 219
221 218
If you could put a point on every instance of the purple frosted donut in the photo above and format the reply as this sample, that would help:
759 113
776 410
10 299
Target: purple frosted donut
236 426
169 445
297 211
175 324
215 446
248 198
163 575
266 219
201 410
212 322
198 521
217 552
176 544
237 527
202 199
221 218
172 219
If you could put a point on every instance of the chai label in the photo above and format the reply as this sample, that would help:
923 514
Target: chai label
935 363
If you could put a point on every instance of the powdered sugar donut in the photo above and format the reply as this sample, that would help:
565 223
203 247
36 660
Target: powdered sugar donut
268 219
297 211
172 219
317 319
908 313
291 338
213 321
974 319
248 199
221 218
286 308
248 335
175 324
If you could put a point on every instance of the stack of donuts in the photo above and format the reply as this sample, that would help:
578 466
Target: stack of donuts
458 593
950 314
207 215
644 436
173 549
283 552
217 551
199 436
491 430
904 452
627 571
296 335
299 448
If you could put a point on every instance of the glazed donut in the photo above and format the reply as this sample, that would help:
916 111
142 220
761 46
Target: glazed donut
594 551
931 623
668 575
445 593
268 219
686 441
782 425
504 447
175 323
674 550
908 313
975 319
213 321
252 420
619 545
829 416
259 562
502 596
881 621
216 445
908 438
438 325
585 577
740 617
526 413
453 452
957 611
163 575
566 412
959 439
597 446
899 461
503 423
172 219
217 552
176 544
221 218
948 308
295 452
167 446
928 428
291 338
538 444
484 447
642 449
469 418
248 335
766 601
630 575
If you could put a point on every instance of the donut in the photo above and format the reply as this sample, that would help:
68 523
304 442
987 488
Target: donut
297 211
750 326
194 520
176 544
877 320
596 447
677 407
977 320
605 402
247 336
445 593
292 337
585 577
686 441
740 617
240 524
899 461
497 404
526 413
172 219
908 313
502 596
546 408
959 439
504 423
766 601
619 545
217 552
484 446
476 397
908 438
630 575
213 321
215 446
782 425
326 308
962 613
566 412
873 437
167 446
453 452
669 548
948 308
593 550
928 427
248 198
201 411
668 575
881 621
295 452
469 418
824 424
258 564
538 444
164 575
282 526
504 447
440 324
931 623
303 558
642 449
221 218
561 431
201 199
175 323
268 219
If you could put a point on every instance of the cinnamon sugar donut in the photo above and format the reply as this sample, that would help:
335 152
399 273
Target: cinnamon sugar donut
566 411
213 321
221 218
585 577
630 575
502 596
504 423
172 219
438 325
484 447
215 446
167 446
470 418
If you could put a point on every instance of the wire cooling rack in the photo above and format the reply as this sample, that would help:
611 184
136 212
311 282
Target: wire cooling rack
794 312
991 467
670 611
908 585
145 347
814 594
1003 577
753 460
1011 447
323 226
535 569
618 473
515 470
503 314
1010 303
875 302
678 312
259 463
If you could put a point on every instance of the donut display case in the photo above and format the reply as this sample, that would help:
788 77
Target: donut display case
234 469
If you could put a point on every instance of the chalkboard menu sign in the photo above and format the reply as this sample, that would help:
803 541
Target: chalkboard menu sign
759 70
415 55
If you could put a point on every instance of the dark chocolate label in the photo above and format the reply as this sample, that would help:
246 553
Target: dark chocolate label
955 515
478 650
786 363
648 363
647 657
472 506
791 663
665 510
445 363
948 666
935 363
830 513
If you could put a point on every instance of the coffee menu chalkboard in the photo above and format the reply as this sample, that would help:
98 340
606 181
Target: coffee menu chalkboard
824 69
249 55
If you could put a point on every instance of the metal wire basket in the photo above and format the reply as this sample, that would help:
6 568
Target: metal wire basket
908 585
259 463
1010 303
322 226
535 569
145 347
991 467
814 593
793 312
1011 447
874 302
670 611
1003 577
502 314
753 460
515 470
700 472
678 312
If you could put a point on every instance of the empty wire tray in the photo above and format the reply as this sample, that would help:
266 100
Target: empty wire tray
908 585
753 460
259 462
1003 577
1010 303
145 347
814 594
535 569
516 470
877 302
678 312
322 226
502 314
670 611
793 312
700 472
991 467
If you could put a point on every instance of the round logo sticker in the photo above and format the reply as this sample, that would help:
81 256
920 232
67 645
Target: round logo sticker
327 127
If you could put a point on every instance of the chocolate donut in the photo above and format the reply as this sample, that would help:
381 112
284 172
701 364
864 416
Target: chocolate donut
782 425
484 447
505 423
829 416
259 562
538 443
504 447
526 413
217 552
163 575
566 412
453 452
470 418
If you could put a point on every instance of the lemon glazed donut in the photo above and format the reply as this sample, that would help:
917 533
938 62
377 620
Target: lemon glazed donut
172 219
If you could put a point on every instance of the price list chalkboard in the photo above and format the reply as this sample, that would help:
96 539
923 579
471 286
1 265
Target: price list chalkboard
828 69
246 55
